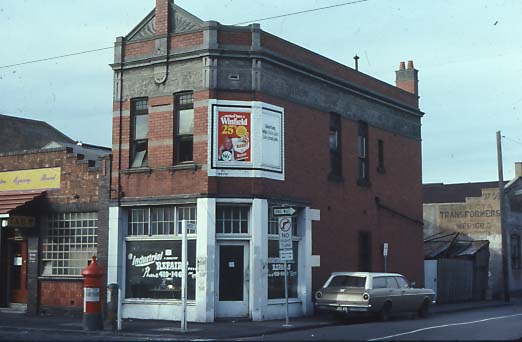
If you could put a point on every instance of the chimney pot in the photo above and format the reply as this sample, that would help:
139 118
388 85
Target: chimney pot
402 66
410 65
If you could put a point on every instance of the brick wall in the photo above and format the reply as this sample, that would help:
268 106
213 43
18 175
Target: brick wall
137 49
61 293
78 181
234 38
186 40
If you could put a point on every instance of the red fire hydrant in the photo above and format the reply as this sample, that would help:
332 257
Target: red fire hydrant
92 307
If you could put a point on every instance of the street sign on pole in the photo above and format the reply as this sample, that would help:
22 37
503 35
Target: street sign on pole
285 232
283 211
184 274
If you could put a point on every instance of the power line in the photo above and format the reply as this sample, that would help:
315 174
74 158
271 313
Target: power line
242 23
301 12
56 57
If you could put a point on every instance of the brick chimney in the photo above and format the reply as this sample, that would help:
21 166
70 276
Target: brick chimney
162 17
407 78
518 169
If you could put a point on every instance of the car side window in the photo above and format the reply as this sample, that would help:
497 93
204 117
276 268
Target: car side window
391 283
403 283
379 283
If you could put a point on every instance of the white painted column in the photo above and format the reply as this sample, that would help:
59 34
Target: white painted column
205 259
305 258
259 259
118 221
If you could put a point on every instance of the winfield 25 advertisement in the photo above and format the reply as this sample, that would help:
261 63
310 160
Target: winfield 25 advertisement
234 136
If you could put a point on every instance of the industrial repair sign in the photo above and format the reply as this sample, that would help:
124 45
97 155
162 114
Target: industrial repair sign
35 179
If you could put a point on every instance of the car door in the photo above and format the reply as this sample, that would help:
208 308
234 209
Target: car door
378 293
395 294
411 298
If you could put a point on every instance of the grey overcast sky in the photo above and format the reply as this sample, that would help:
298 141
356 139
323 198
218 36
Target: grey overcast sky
468 52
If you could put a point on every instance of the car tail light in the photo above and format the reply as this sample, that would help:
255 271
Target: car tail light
318 294
366 296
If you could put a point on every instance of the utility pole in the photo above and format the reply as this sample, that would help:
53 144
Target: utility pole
505 268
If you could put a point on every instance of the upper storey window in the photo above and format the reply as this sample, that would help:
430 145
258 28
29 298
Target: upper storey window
335 145
184 120
140 132
362 154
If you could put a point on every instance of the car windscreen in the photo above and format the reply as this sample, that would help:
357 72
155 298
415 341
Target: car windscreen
347 281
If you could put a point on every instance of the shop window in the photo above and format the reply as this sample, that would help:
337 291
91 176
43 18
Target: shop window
362 154
68 242
365 247
140 132
153 221
184 107
276 269
380 154
153 269
515 251
335 146
232 219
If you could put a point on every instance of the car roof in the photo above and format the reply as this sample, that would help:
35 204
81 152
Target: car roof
366 274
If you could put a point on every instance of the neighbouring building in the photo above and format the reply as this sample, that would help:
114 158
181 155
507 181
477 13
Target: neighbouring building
473 209
217 125
456 267
54 215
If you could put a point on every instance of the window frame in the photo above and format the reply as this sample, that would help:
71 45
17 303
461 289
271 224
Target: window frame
231 219
363 160
62 239
134 142
148 223
380 156
183 139
335 153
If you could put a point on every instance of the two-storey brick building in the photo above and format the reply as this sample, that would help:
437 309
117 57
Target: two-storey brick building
217 125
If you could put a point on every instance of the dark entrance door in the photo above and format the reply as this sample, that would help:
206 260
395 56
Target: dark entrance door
231 273
18 271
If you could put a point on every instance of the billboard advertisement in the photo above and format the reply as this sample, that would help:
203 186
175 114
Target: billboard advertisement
233 136
247 139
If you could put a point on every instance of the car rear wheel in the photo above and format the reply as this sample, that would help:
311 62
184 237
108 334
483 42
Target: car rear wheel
424 310
385 313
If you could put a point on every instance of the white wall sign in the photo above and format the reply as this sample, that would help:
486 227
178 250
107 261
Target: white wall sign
247 139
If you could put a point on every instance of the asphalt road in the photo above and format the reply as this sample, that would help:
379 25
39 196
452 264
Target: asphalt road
501 323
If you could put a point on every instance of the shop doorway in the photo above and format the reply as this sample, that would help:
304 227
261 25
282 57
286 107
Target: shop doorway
17 271
232 279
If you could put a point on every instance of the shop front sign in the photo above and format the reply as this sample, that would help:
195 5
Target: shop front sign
35 179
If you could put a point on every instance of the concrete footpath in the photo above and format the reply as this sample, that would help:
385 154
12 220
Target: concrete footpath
226 329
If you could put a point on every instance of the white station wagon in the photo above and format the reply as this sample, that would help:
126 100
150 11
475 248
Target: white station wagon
382 294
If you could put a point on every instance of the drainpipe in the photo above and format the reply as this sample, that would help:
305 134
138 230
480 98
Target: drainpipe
122 52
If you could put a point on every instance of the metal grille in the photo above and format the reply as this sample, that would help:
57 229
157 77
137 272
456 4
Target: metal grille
160 220
69 242
232 220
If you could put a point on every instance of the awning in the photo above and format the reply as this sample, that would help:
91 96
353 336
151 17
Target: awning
14 199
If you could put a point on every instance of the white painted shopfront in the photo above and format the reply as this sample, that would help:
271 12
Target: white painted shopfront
234 270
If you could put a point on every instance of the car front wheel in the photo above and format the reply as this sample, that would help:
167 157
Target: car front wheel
424 310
